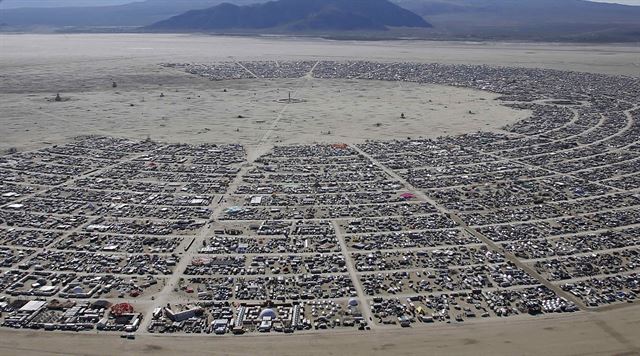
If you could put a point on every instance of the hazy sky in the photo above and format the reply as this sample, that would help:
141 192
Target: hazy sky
628 2
52 3
55 3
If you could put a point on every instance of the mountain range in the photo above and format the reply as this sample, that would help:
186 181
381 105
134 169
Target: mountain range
133 14
577 20
548 20
297 15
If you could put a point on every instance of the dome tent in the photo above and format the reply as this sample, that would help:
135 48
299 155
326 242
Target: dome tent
267 312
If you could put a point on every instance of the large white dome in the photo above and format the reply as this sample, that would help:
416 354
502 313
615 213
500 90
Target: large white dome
267 312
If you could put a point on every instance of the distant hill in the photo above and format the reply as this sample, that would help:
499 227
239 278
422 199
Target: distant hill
545 20
296 15
135 14
578 20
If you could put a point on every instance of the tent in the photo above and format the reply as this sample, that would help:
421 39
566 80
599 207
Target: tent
267 312
407 196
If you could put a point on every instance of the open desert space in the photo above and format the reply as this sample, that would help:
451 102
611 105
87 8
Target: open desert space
318 197
33 68
198 111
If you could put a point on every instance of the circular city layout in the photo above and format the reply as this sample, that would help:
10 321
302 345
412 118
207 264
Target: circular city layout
539 215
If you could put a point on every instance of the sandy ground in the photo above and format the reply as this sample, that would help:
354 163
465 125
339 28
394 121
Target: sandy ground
333 111
611 333
82 67
105 51
34 67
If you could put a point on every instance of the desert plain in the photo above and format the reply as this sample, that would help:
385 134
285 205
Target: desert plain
168 105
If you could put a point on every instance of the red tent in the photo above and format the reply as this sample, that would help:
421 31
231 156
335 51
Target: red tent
407 196
122 308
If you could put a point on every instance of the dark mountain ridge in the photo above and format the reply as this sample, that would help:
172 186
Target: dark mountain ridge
135 14
297 15
531 20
